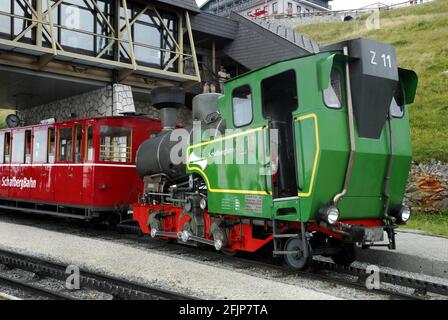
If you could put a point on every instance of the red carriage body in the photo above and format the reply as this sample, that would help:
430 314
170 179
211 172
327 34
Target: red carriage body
80 168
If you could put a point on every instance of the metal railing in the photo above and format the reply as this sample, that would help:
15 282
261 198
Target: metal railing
40 22
115 153
362 10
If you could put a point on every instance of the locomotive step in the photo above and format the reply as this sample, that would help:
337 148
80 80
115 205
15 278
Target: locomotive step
286 252
286 235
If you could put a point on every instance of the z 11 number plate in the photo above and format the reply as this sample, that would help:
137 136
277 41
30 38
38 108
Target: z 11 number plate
374 234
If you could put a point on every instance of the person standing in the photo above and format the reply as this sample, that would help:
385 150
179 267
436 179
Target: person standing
223 76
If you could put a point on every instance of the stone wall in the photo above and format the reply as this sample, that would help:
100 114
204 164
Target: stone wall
111 100
427 189
295 21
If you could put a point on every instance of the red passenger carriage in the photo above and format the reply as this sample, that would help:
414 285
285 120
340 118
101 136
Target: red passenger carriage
80 169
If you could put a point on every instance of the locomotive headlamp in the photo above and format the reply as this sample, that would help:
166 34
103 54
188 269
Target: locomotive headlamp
203 203
402 213
329 214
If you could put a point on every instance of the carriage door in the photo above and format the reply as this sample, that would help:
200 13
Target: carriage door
77 168
279 101
64 166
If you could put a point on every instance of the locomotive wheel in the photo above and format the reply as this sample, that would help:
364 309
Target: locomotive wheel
346 257
297 261
220 234
114 219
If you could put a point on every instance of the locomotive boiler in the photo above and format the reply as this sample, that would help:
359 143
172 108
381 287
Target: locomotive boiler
308 156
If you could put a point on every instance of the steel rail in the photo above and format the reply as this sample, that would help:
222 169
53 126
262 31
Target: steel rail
315 272
120 289
421 287
34 289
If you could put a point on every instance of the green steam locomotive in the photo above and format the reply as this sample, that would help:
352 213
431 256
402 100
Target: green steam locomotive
308 156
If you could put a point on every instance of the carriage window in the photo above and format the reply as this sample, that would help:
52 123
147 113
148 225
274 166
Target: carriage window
115 144
7 149
28 146
78 144
51 145
333 94
40 146
65 144
18 146
397 104
89 144
242 106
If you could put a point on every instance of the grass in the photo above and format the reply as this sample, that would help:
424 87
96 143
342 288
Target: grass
421 36
435 223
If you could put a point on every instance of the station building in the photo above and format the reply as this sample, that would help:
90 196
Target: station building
72 59
265 7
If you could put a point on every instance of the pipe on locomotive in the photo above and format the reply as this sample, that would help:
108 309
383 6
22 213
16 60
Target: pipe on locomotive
351 125
154 157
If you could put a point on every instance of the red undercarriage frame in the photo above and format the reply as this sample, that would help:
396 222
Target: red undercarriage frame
240 234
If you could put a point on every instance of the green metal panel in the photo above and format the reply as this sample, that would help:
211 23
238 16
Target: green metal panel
322 148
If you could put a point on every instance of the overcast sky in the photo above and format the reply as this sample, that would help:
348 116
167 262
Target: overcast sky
347 4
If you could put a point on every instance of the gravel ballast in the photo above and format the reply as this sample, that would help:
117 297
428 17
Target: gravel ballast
176 274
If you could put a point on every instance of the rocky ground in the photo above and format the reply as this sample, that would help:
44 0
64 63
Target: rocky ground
427 189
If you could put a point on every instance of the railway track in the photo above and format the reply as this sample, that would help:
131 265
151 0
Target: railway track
119 289
393 286
398 287
33 289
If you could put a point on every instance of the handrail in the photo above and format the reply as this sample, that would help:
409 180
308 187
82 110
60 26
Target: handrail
99 35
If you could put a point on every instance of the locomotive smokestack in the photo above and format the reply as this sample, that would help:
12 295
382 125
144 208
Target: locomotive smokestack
168 100
168 116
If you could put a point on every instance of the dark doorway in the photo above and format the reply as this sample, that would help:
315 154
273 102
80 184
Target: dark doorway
279 100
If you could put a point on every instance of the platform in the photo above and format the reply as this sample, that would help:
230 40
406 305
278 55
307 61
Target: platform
416 252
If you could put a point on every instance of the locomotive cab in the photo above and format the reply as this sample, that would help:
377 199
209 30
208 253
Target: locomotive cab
313 159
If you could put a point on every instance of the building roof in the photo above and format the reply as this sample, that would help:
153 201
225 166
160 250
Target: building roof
259 44
211 24
184 4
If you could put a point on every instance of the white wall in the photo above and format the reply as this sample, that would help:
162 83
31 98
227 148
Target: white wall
282 7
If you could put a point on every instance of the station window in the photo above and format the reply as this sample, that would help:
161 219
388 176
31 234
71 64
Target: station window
115 144
78 144
65 144
28 140
5 21
40 146
397 104
51 145
333 94
242 106
7 149
18 146
153 45
89 144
